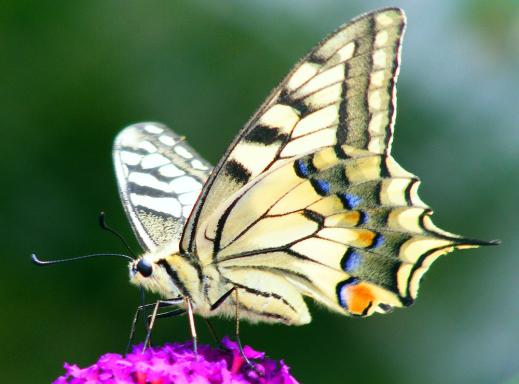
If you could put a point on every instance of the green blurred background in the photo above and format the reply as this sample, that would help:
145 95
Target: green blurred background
73 73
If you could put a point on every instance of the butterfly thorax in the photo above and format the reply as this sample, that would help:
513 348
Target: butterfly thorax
174 274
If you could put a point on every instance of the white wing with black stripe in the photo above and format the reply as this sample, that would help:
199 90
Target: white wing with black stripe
159 178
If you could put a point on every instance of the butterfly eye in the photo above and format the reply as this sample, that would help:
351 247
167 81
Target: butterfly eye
144 268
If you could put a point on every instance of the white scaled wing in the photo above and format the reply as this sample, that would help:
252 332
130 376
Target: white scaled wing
159 178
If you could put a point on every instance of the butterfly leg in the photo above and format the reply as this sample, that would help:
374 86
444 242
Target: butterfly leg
224 297
177 312
140 308
173 313
189 306
242 353
155 315
240 347
163 315
212 331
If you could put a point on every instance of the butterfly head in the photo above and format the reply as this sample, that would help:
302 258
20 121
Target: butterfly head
142 266
153 272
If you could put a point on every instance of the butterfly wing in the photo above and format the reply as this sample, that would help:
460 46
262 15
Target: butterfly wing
342 92
346 228
159 178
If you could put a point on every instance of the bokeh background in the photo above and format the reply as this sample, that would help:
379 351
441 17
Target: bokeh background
73 73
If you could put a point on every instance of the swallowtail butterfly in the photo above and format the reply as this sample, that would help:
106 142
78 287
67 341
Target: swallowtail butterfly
306 201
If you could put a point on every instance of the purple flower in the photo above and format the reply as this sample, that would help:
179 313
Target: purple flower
177 363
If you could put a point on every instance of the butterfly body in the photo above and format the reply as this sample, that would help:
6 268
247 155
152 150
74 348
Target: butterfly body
306 202
175 275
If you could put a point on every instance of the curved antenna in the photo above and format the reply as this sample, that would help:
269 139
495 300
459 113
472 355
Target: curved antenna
103 225
39 262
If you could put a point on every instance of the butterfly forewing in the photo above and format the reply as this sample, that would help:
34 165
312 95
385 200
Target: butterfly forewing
342 92
159 178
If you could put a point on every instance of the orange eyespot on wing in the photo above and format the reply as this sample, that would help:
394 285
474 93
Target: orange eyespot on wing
356 297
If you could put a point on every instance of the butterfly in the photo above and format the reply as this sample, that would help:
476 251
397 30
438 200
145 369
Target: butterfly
307 201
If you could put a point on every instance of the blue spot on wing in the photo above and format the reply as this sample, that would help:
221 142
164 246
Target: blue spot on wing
363 218
342 293
378 241
301 168
350 201
322 187
351 261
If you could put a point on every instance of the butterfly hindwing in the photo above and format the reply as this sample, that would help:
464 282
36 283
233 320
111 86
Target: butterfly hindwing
342 92
349 231
159 178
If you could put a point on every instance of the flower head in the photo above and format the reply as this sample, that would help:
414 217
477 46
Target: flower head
177 363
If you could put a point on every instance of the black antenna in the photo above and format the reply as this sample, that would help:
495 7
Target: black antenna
39 262
102 223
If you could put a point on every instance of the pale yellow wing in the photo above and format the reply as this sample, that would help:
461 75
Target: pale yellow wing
345 227
342 92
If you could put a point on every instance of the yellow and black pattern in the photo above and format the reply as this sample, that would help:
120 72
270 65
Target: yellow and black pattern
342 92
343 224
